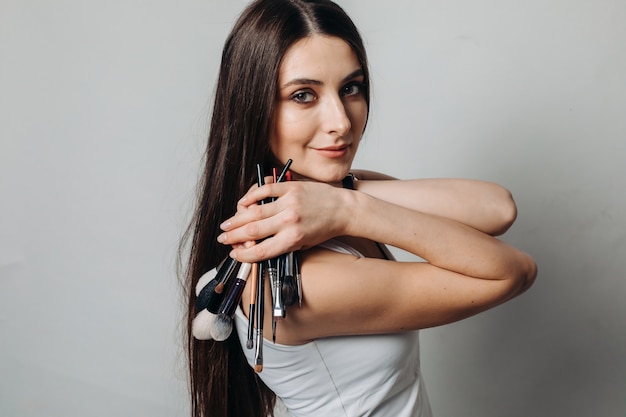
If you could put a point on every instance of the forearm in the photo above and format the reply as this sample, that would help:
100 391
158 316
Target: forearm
443 242
485 206
307 213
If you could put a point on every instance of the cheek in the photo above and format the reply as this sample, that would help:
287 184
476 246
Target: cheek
282 139
291 131
358 116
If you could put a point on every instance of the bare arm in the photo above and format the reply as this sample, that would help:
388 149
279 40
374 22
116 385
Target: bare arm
483 205
466 272
307 213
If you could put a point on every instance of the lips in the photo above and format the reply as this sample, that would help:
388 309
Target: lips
334 151
334 148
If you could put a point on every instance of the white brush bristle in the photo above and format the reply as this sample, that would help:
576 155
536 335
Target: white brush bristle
222 327
202 324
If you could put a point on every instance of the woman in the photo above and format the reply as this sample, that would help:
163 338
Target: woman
293 84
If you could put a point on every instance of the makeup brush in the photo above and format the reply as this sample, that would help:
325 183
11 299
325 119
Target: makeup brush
226 270
254 277
204 288
260 295
208 299
260 313
210 295
289 285
201 324
260 300
296 267
260 178
274 275
284 172
223 324
289 289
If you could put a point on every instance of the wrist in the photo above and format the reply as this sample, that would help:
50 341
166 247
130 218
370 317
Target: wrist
353 204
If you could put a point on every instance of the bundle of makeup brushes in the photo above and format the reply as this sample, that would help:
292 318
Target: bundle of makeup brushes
218 291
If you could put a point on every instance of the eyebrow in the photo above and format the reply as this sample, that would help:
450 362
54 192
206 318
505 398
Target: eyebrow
310 81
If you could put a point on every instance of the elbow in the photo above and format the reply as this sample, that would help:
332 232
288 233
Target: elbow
504 212
530 276
525 275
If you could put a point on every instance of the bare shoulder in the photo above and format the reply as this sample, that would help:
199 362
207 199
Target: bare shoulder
363 174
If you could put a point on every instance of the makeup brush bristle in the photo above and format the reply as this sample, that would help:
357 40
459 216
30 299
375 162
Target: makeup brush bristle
222 327
289 291
204 295
202 324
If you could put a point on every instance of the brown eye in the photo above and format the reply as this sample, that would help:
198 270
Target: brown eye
302 97
352 89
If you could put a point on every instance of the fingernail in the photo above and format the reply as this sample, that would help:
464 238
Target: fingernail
242 200
222 238
225 225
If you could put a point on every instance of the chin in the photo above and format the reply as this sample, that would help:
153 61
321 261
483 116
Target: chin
326 174
333 175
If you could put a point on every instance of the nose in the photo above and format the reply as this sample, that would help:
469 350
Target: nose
335 117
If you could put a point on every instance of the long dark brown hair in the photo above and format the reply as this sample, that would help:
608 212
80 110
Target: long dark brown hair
222 384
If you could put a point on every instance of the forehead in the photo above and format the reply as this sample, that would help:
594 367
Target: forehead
318 57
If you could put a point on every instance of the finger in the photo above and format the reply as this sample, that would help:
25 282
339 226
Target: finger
253 231
258 194
249 209
244 245
247 215
241 230
245 199
267 249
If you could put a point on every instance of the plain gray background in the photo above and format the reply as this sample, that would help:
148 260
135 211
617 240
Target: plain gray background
103 115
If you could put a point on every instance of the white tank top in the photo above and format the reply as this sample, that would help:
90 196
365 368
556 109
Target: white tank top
344 376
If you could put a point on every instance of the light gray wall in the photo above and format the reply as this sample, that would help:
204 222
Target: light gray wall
103 111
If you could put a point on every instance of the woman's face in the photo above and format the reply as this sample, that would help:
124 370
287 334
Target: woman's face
321 110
